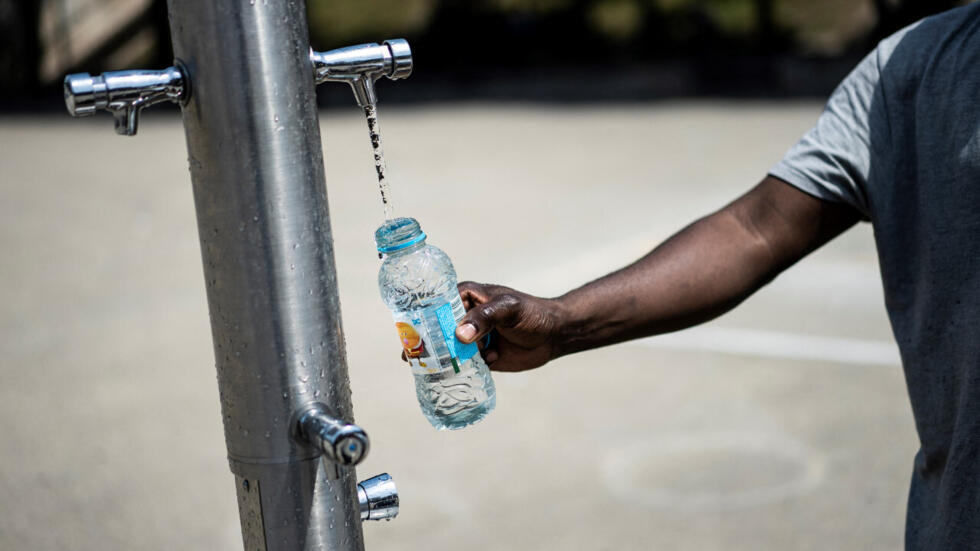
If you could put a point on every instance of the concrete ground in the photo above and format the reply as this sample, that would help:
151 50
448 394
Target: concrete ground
783 425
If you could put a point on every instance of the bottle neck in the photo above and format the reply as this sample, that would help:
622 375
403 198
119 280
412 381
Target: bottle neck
407 250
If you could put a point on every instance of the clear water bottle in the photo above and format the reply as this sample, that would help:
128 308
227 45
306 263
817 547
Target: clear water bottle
418 284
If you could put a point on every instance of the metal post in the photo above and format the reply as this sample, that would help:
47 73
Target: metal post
255 159
244 78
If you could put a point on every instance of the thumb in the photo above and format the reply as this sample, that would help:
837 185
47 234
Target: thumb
501 310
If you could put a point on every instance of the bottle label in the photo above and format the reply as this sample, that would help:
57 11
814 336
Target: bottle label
448 314
430 332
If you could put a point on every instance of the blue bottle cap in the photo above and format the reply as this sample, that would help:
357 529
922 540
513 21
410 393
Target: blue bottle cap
397 234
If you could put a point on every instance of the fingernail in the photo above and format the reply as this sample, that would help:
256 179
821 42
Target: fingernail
466 332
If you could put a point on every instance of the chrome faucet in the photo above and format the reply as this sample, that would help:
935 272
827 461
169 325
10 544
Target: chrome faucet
123 93
362 65
378 498
341 443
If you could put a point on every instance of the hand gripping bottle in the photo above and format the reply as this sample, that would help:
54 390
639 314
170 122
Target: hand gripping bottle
418 283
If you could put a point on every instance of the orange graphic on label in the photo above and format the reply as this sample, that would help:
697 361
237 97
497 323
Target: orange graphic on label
411 341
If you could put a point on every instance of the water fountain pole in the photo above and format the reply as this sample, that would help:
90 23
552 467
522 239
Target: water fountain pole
244 77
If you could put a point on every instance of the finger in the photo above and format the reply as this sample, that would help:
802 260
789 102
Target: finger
484 343
472 294
501 310
488 348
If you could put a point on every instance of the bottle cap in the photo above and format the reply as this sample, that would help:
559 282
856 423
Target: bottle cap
397 234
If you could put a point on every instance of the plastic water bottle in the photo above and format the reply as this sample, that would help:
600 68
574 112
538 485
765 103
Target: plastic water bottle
418 284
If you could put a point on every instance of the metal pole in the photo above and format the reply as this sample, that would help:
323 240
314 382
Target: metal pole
254 151
255 159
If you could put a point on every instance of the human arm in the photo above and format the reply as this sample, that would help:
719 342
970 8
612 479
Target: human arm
698 274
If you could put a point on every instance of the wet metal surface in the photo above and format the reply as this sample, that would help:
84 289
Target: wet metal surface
250 514
253 147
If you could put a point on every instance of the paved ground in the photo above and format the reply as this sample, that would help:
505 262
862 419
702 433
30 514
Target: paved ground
784 425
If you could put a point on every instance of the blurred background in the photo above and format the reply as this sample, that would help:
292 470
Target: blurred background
541 143
502 49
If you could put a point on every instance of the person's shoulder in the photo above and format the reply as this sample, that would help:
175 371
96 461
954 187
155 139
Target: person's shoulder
920 42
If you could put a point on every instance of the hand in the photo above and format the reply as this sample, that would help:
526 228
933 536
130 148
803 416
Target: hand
525 328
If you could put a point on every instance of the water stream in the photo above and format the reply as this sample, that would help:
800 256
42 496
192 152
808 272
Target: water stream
371 112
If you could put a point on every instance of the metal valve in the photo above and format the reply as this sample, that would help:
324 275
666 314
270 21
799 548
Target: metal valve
361 65
378 498
123 93
342 443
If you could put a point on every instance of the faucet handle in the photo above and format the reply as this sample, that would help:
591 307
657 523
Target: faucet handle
378 498
123 93
401 58
84 95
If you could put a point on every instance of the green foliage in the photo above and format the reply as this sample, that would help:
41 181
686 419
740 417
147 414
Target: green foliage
530 6
735 17
827 26
617 19
341 22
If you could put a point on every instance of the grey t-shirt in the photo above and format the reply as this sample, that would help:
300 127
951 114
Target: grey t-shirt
899 141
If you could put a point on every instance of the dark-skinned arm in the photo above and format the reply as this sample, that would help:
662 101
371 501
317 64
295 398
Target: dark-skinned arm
698 274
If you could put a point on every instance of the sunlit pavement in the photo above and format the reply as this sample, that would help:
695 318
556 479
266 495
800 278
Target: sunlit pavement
783 425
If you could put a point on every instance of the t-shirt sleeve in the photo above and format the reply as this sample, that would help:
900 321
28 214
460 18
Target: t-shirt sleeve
832 160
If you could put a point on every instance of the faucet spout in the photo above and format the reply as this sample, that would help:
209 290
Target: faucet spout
362 65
